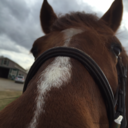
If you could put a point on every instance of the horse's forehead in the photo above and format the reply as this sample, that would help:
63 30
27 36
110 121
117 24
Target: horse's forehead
69 33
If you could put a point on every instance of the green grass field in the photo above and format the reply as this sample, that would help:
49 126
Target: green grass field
7 97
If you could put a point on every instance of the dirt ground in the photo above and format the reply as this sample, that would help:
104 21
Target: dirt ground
6 84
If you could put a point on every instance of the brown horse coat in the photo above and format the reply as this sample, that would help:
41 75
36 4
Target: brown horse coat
62 93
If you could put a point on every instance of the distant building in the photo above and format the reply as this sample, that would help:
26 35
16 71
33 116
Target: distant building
9 69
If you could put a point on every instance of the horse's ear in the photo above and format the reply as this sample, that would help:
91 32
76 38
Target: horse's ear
113 16
47 17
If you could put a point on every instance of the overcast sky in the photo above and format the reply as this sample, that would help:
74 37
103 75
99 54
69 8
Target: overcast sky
20 25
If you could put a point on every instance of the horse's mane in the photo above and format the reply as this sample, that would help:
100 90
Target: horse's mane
77 19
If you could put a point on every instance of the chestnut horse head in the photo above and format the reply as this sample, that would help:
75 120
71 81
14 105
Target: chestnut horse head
62 93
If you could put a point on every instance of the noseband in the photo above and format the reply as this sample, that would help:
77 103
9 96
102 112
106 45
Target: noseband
97 74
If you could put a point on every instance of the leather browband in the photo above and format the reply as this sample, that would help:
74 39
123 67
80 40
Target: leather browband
88 63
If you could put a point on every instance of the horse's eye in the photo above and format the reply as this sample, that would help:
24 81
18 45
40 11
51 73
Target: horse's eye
117 50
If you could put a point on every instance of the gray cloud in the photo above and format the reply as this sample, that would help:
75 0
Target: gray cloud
17 23
125 5
69 6
122 34
18 9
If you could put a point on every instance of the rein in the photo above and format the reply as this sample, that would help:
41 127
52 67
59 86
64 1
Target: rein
97 75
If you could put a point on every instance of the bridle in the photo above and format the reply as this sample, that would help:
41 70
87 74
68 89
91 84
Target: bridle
98 76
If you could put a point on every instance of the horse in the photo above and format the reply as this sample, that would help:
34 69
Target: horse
62 92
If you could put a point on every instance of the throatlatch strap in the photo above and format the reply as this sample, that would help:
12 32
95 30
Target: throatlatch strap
122 77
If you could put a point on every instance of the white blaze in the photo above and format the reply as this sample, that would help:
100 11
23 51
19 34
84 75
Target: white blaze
55 75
